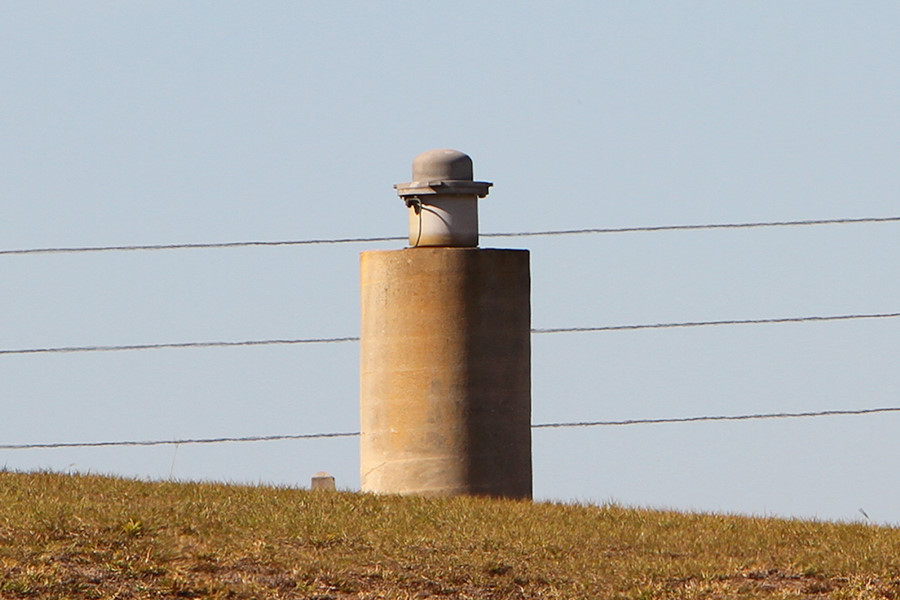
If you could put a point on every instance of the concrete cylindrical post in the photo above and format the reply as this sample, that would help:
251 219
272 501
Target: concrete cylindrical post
446 372
445 381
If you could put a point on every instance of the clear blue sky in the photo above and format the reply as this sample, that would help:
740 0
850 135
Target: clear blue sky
170 122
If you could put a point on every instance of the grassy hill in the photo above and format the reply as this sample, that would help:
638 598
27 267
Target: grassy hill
80 537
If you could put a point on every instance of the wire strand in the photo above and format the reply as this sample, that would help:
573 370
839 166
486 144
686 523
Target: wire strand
781 415
338 340
150 247
129 347
219 440
359 240
563 425
717 323
654 228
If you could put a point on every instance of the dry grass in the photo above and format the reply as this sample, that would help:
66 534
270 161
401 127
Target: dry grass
94 537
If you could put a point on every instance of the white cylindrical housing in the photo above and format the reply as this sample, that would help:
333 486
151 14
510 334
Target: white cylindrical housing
443 200
444 220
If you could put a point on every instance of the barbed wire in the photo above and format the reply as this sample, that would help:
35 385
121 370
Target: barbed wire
654 228
562 425
718 323
359 240
781 415
197 246
337 340
160 346
218 440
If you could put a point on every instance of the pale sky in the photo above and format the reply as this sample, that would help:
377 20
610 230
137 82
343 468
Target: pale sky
189 122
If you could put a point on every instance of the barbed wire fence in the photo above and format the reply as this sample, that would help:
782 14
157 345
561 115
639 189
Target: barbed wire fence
362 240
562 425
537 331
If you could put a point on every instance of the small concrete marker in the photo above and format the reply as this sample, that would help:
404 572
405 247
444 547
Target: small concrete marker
323 481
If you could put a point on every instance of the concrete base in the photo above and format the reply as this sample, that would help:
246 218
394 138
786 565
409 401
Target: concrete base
322 481
446 372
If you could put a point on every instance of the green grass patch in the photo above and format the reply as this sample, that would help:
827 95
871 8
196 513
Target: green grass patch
79 537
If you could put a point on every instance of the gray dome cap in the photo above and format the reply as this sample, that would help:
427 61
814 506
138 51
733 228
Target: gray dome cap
442 171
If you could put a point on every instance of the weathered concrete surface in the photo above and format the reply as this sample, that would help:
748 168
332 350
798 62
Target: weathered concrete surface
323 481
446 372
